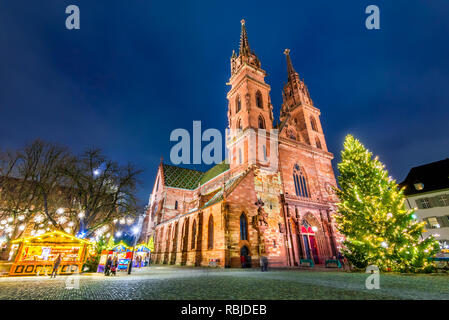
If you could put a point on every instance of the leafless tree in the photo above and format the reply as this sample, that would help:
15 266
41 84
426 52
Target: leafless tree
44 185
104 191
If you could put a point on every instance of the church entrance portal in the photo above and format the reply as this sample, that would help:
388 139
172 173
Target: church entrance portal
244 254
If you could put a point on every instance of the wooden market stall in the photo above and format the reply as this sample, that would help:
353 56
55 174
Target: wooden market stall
141 256
36 255
121 251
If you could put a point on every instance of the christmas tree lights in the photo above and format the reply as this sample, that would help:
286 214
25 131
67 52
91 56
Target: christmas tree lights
378 228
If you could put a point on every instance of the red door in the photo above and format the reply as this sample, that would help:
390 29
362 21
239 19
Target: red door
314 248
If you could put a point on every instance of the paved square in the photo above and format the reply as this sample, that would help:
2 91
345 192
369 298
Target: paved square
163 282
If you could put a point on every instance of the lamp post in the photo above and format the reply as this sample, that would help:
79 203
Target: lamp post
136 232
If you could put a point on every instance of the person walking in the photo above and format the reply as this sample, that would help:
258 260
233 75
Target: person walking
56 266
107 267
264 263
243 261
147 260
342 260
114 266
261 263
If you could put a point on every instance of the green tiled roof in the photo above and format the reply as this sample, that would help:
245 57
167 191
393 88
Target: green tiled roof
214 171
178 177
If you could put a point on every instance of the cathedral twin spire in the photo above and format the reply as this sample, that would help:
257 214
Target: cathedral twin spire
246 56
244 49
295 91
291 73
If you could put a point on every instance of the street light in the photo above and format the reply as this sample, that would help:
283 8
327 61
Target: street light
135 232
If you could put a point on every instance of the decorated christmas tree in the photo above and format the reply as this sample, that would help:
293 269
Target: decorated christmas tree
151 244
111 243
378 228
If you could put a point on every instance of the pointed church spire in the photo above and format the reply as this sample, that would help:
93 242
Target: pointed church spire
290 71
244 44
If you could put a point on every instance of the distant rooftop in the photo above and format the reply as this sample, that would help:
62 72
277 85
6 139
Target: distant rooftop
428 177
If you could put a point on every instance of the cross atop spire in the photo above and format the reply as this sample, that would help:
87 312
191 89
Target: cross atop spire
244 44
290 71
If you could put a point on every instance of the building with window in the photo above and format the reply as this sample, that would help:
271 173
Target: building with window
427 190
249 207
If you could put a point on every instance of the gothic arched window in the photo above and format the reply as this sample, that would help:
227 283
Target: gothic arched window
192 246
238 104
259 101
210 233
239 124
261 122
313 123
300 181
243 227
176 205
318 142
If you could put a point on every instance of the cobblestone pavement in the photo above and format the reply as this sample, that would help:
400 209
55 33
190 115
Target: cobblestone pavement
163 282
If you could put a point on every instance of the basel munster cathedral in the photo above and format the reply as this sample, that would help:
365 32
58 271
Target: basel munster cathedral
248 209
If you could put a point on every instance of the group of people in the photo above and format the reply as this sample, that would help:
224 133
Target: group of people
111 266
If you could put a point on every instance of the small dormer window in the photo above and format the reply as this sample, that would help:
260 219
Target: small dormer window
419 186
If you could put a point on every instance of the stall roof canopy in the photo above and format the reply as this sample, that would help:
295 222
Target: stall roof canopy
53 236
142 248
120 247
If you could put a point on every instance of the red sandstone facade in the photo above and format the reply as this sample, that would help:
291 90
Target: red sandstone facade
250 207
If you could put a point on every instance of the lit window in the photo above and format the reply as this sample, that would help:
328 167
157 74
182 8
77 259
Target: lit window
419 186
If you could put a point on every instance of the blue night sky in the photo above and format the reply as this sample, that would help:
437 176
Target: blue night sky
138 69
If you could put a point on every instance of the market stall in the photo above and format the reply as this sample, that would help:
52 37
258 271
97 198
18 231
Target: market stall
141 256
105 254
121 251
36 255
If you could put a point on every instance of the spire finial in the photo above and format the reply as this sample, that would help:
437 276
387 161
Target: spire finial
244 44
290 70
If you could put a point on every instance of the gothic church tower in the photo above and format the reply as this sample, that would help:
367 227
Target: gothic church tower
249 104
298 113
